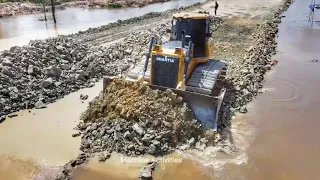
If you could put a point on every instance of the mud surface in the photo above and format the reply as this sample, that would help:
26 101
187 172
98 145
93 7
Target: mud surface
285 115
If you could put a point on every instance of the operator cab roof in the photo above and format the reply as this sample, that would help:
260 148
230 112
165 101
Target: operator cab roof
192 15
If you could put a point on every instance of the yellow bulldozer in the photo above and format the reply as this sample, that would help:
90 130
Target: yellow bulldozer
185 64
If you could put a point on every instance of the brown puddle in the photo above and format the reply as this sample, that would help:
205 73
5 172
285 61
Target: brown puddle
186 170
41 140
286 116
107 170
115 169
13 168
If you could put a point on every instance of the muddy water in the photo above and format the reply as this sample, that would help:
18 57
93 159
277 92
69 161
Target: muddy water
173 165
286 116
286 145
19 30
40 141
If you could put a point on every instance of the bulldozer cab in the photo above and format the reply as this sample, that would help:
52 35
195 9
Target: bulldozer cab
194 25
188 40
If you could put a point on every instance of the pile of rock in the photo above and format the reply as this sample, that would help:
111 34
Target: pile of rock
132 119
135 120
49 69
10 9
104 3
123 3
146 171
139 3
76 4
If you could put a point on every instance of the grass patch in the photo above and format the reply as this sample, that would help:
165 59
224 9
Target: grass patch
114 6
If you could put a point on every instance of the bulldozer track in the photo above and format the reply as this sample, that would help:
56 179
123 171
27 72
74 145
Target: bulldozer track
137 70
206 77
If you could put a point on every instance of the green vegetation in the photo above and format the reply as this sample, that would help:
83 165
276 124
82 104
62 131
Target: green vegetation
114 5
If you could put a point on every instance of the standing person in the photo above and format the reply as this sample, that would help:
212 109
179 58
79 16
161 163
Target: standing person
216 8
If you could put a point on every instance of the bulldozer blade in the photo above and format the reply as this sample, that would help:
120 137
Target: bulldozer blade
205 108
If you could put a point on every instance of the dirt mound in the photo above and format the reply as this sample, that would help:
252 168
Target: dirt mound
137 102
133 119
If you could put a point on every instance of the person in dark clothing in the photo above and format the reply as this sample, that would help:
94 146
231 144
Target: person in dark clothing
216 8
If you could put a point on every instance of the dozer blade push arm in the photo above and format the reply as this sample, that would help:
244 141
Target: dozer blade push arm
188 59
141 77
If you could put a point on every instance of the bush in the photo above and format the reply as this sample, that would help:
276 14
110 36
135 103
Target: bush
114 5
63 1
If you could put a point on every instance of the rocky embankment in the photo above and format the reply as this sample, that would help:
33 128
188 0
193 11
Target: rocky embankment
16 8
121 4
111 4
43 71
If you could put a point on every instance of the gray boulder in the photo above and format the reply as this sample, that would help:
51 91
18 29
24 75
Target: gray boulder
138 129
46 83
53 71
40 104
